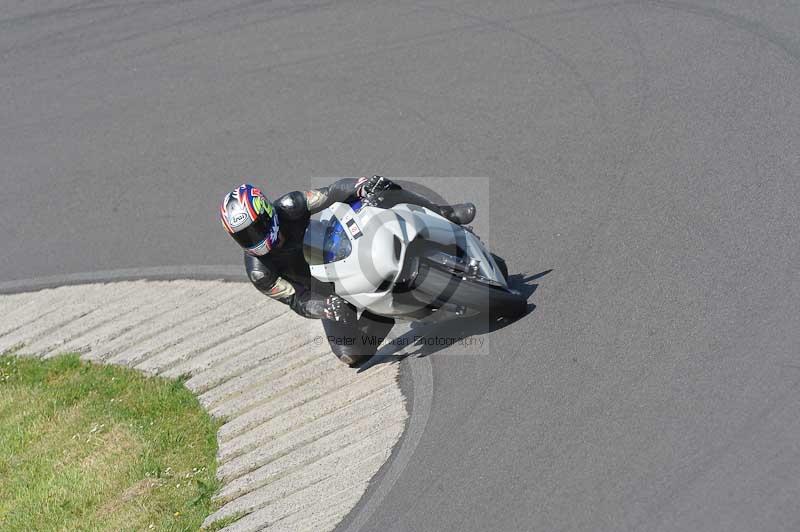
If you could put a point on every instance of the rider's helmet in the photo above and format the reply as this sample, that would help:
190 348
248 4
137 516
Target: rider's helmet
250 219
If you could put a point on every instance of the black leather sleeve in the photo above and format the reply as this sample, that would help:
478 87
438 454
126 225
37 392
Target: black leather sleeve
264 278
344 190
292 206
268 282
295 205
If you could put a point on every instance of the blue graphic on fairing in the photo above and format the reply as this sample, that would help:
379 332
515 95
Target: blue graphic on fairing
337 245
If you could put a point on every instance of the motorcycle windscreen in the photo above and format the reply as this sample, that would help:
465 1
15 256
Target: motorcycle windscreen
325 242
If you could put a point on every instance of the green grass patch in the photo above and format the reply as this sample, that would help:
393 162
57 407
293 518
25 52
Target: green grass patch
89 447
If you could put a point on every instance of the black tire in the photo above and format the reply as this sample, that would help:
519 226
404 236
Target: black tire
444 287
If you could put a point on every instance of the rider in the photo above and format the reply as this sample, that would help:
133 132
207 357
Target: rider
272 237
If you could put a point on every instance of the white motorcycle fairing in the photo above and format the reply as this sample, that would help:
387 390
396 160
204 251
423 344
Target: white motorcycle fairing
365 269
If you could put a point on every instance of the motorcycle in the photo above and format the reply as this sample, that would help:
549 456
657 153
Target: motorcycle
407 262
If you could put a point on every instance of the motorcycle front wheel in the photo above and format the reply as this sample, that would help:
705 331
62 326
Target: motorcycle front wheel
445 287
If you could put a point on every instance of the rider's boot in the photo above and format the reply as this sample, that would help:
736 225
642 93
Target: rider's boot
460 213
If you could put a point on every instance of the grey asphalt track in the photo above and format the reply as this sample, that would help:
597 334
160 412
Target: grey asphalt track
646 151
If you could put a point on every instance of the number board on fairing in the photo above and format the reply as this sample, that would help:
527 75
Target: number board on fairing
352 226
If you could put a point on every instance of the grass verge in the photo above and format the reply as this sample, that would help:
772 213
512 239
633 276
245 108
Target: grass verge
88 447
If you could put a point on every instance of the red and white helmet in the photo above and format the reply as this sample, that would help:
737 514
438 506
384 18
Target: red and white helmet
250 219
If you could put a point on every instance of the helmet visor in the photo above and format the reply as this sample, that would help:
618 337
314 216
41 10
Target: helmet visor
255 233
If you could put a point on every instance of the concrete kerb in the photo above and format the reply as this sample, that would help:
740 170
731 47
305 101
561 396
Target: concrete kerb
77 305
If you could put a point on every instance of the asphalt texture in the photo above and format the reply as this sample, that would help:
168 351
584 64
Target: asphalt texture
647 152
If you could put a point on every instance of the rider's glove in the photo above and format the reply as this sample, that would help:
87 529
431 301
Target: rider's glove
375 185
338 310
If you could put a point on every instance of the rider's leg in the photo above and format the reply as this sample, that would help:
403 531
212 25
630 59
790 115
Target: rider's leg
461 213
342 340
374 328
353 344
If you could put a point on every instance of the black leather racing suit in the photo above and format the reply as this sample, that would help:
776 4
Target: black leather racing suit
283 273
